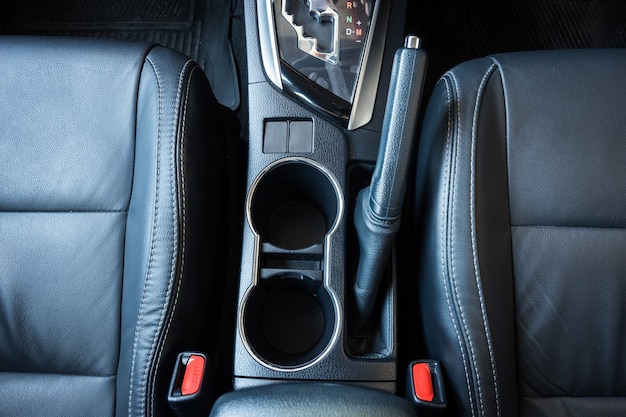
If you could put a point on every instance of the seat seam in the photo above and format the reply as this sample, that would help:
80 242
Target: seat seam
479 97
454 278
152 245
183 220
444 210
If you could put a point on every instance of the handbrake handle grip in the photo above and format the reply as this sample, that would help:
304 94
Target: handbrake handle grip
378 207
398 135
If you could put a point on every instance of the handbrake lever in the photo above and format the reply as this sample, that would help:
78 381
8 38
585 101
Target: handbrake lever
379 206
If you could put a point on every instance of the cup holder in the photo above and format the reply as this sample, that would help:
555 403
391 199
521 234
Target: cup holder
294 206
289 316
289 320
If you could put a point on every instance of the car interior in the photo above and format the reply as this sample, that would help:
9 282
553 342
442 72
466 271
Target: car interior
313 208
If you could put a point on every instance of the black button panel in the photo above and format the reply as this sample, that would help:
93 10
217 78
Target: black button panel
288 136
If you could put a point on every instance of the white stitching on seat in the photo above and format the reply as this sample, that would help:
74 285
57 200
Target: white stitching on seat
443 252
170 283
184 221
152 246
455 281
481 88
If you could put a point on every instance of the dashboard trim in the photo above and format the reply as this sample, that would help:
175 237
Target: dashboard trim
268 43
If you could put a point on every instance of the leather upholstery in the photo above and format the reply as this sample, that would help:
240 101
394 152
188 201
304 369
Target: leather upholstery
111 168
307 399
521 216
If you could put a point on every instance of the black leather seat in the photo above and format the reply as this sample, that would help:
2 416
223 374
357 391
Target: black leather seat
522 217
111 185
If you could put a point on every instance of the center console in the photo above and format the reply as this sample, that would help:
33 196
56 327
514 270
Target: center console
318 73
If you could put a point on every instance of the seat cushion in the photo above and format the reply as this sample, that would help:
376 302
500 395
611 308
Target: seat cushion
521 212
102 240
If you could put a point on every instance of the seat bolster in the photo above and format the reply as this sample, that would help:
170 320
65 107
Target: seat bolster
449 229
170 257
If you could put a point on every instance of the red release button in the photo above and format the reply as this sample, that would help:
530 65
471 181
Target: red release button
423 382
193 375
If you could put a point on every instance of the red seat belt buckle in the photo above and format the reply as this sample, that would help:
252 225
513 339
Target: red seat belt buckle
423 382
192 387
425 387
192 377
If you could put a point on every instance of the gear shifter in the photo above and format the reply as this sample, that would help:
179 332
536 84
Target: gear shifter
318 19
378 207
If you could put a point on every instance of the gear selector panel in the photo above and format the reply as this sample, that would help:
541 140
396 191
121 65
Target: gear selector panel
324 41
321 49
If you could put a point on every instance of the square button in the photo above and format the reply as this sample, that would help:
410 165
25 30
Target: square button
301 136
275 137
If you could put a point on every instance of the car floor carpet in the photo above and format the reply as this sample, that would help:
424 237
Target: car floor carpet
454 31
